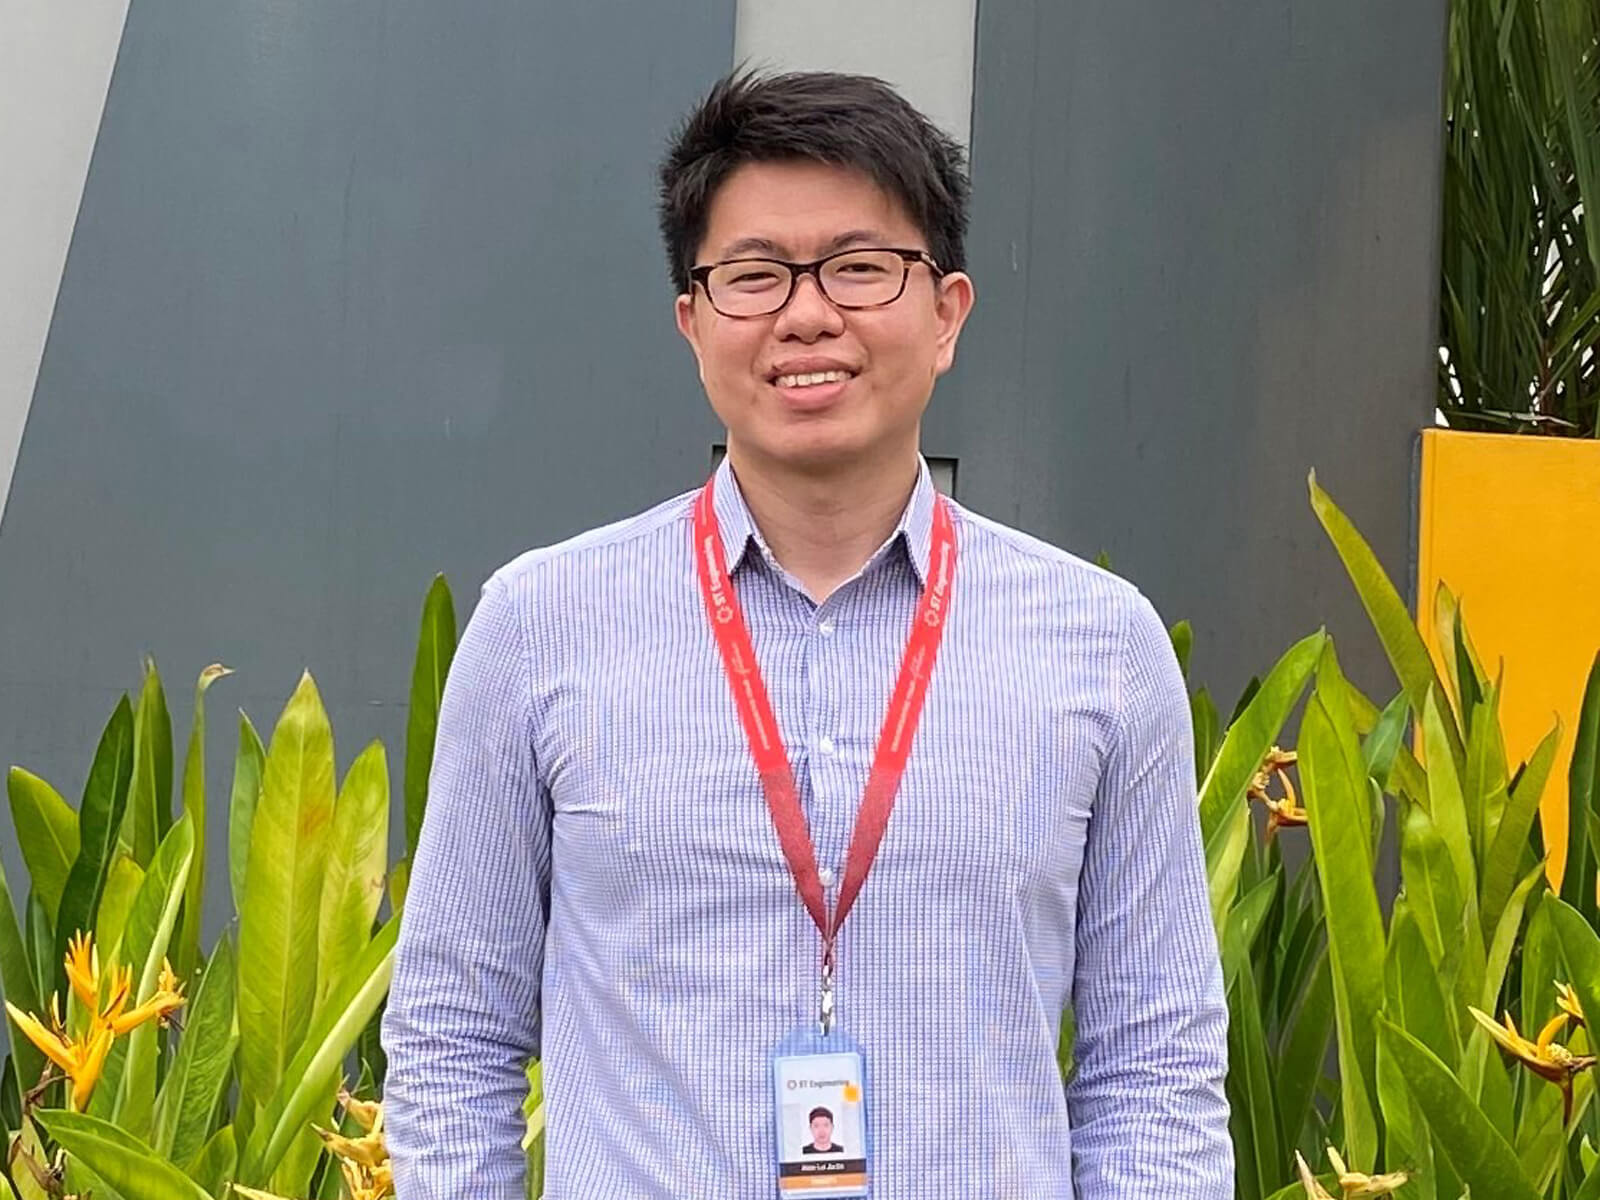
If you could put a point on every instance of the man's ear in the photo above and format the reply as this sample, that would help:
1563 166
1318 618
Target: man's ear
952 306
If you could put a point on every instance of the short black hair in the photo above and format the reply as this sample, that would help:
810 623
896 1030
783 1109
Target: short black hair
819 1111
844 120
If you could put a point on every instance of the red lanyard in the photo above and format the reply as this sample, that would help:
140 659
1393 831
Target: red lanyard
766 743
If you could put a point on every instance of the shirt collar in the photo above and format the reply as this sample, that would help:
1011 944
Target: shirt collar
739 531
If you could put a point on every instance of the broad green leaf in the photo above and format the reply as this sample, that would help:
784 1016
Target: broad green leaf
436 646
1406 1136
248 766
1484 784
194 806
47 832
399 881
40 937
127 1088
1382 746
217 1162
105 796
150 795
123 882
1304 1050
1445 612
204 1062
1579 950
1182 635
283 894
330 1038
1244 924
1583 799
1416 1001
1225 851
1207 732
1505 936
1249 738
1405 775
122 1160
1259 1154
18 985
1477 1151
1390 618
358 852
1432 887
1447 807
1511 839
1335 782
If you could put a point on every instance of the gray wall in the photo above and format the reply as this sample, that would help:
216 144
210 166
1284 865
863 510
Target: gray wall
358 293
1205 241
363 292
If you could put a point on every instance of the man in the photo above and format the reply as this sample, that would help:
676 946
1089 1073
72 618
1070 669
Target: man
821 1121
627 870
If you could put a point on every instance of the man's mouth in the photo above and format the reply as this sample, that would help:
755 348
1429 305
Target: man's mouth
813 378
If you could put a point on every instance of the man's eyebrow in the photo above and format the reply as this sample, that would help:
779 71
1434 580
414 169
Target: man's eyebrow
767 248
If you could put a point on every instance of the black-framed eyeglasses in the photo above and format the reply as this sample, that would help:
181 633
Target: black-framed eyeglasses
759 287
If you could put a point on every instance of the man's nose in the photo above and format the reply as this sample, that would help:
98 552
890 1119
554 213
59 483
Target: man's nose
809 314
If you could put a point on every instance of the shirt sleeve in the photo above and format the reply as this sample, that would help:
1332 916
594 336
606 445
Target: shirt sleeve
1148 1111
463 1013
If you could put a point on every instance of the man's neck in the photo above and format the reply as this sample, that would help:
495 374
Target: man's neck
822 528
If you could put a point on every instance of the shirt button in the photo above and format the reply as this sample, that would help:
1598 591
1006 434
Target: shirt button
825 875
825 628
825 744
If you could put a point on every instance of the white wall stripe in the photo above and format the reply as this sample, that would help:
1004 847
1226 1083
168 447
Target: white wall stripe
55 69
923 47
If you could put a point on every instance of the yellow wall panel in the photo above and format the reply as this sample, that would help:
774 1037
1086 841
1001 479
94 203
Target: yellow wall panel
1511 525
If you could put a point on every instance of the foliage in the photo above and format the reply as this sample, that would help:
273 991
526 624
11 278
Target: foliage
1520 295
1428 1092
106 1098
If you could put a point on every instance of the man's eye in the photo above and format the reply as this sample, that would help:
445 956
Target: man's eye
754 280
868 269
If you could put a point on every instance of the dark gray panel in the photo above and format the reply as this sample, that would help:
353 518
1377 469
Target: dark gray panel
1205 245
358 292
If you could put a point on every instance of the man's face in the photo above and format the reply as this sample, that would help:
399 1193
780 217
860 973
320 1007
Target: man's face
800 211
821 1132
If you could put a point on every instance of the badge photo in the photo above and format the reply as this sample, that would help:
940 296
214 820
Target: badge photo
822 1124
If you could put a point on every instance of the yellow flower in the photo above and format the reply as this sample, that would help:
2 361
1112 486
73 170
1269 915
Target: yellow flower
1544 1056
83 970
82 1059
366 1113
1282 811
168 998
368 1151
1314 1190
1567 1000
1356 1186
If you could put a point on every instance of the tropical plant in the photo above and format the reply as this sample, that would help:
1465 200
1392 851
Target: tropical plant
1421 1103
104 1097
1520 294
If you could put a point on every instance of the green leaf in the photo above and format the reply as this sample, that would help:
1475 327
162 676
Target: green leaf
1415 999
204 1061
1207 733
1579 950
1336 798
1511 839
1182 635
357 867
1390 618
19 986
47 832
1254 733
1505 936
1382 745
330 1038
105 796
1447 808
1250 1086
217 1162
1225 850
1583 799
120 1159
248 766
436 647
1477 1151
41 940
127 1088
1243 926
123 882
1432 887
194 807
283 894
1304 1050
150 798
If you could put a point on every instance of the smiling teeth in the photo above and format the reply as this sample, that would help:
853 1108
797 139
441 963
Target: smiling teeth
812 379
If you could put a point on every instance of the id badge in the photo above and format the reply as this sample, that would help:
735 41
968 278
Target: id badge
820 1084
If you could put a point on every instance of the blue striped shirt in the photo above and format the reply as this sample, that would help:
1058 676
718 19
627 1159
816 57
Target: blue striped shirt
598 882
